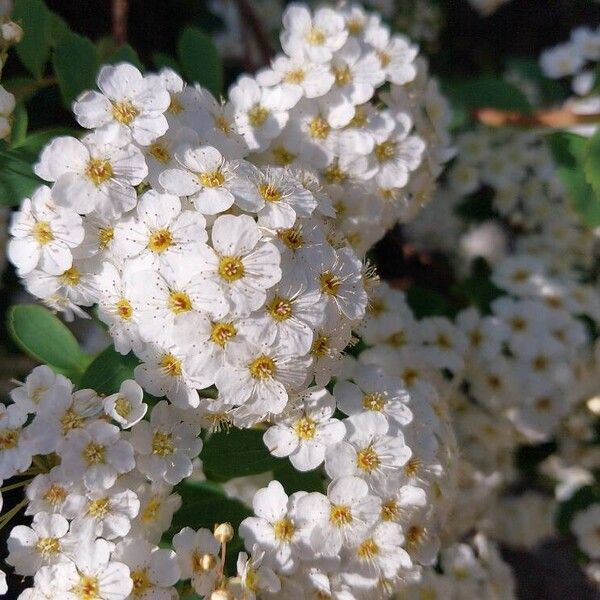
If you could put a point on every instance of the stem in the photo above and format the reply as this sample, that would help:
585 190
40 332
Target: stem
14 486
262 39
4 519
119 22
556 119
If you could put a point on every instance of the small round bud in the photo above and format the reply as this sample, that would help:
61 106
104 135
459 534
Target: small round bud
224 533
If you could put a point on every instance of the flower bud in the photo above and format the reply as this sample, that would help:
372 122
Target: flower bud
224 533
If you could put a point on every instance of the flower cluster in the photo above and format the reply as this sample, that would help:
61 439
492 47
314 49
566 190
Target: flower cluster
10 34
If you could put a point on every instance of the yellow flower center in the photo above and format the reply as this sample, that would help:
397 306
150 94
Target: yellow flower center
231 268
295 76
98 170
160 240
319 128
47 546
262 367
291 237
141 582
315 37
376 307
55 494
42 232
385 151
384 58
340 515
367 459
415 535
87 588
389 510
151 509
409 376
124 112
9 438
540 363
99 508
343 75
397 339
305 428
368 549
443 341
279 308
412 467
71 420
330 283
123 407
375 401
94 454
284 530
159 152
124 309
170 365
222 124
179 302
334 174
222 332
175 106
105 237
282 156
355 26
359 118
162 444
201 563
270 192
257 115
211 179
320 347
71 276
518 324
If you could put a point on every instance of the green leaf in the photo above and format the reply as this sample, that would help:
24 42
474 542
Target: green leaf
36 21
568 150
18 133
45 338
24 88
425 302
108 371
161 60
236 453
200 59
591 163
530 70
75 60
125 54
60 28
484 92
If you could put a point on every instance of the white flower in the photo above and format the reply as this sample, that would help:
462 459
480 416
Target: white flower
97 454
340 517
40 389
198 557
585 526
131 101
260 377
127 406
16 444
313 37
240 262
108 511
165 446
306 431
154 571
396 54
157 506
375 391
93 572
255 577
560 61
48 492
205 177
367 450
273 529
288 319
260 113
378 554
97 173
29 548
160 231
44 235
7 101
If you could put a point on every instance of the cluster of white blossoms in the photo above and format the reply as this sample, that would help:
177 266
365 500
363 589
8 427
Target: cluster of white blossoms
222 245
10 34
